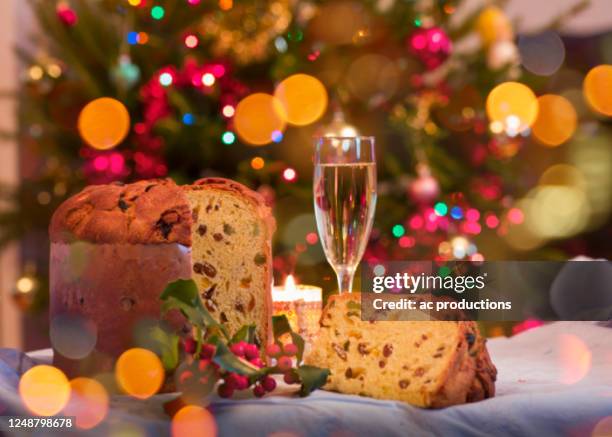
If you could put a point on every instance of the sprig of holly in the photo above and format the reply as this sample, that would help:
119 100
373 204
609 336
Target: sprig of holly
211 355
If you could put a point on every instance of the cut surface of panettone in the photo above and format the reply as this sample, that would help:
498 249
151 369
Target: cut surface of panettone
231 253
424 363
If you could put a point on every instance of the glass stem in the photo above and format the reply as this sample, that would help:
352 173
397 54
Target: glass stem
345 279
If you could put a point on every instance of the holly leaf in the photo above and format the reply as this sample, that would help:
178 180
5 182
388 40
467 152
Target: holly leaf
246 333
299 342
166 344
183 295
280 326
312 378
230 362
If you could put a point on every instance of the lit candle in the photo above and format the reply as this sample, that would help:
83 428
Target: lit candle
301 304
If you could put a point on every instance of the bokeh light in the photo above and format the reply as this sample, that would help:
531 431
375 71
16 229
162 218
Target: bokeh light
303 97
257 116
514 105
103 123
73 335
556 120
574 359
88 402
208 79
193 420
398 231
157 12
257 163
493 25
44 390
542 53
597 89
228 111
228 138
603 428
139 372
289 174
165 79
191 41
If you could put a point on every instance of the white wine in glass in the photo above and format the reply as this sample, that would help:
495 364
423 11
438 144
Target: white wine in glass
344 201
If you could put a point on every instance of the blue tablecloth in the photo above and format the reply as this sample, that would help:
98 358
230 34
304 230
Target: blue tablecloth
553 380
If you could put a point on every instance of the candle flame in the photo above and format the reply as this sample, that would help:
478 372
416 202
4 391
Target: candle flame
290 284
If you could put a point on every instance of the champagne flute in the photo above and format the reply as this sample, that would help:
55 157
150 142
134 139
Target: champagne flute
344 188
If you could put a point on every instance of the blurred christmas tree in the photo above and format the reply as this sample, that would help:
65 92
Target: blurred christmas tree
239 89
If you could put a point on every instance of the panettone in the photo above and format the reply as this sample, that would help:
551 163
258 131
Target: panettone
115 247
425 363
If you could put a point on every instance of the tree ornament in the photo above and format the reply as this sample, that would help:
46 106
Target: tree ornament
66 14
425 187
125 73
431 46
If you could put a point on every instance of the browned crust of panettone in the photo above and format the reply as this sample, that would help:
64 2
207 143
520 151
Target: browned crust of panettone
145 212
256 199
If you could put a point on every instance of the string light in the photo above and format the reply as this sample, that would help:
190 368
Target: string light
257 163
406 242
157 12
257 116
398 231
193 2
312 238
165 79
456 212
136 2
132 38
191 41
441 209
289 174
228 137
208 79
88 403
143 37
228 111
303 97
277 136
226 5
188 119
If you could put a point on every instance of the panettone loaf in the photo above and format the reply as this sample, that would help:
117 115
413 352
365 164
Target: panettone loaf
425 363
115 247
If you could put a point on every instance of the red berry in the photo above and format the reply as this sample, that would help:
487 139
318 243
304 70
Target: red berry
273 350
259 391
284 363
268 383
291 378
189 345
251 351
257 362
290 349
238 349
203 364
225 390
239 382
208 351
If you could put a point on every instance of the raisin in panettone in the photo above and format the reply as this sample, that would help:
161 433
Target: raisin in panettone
425 363
115 247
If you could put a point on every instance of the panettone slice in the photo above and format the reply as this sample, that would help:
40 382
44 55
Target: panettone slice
425 363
